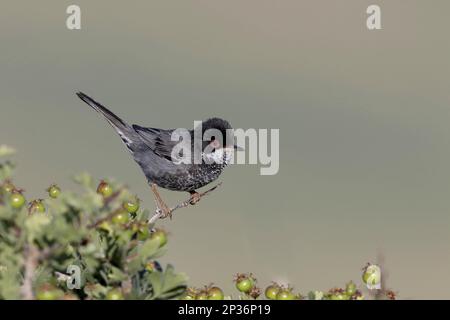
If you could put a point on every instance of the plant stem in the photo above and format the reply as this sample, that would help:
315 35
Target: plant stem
31 254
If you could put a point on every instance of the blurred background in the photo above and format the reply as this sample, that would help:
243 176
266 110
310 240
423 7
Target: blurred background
363 116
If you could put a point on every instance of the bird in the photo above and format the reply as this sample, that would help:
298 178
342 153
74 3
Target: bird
152 148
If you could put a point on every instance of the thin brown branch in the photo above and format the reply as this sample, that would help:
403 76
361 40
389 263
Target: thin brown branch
111 198
96 223
31 255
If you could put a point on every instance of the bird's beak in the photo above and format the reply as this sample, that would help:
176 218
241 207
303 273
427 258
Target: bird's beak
236 147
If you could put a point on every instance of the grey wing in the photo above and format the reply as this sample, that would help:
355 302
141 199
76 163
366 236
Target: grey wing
159 140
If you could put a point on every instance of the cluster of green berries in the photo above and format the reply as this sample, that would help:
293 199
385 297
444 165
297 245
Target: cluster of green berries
207 293
36 206
17 199
48 291
350 292
276 291
139 229
121 217
13 194
124 216
246 284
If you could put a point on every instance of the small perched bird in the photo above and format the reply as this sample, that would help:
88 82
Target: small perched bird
152 150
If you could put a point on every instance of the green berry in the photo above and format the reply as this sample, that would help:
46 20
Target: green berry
54 191
272 291
203 295
46 295
350 288
160 235
48 292
36 206
245 284
120 218
188 297
131 206
141 230
215 293
339 296
285 294
104 189
190 294
17 199
114 294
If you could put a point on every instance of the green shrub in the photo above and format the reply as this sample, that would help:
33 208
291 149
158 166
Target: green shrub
99 245
100 233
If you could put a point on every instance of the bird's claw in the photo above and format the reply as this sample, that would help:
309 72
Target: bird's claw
167 214
195 197
164 212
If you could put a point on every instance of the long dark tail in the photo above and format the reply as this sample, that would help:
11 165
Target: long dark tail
125 131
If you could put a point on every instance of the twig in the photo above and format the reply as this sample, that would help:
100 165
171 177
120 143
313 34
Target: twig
112 197
96 223
31 254
159 214
61 277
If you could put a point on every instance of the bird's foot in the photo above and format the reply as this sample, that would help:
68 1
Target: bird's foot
195 197
164 213
160 204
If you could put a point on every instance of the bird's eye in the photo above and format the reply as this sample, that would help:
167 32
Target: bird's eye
213 138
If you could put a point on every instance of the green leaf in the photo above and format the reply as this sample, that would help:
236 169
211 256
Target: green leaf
156 280
36 224
142 253
9 284
116 275
173 280
167 284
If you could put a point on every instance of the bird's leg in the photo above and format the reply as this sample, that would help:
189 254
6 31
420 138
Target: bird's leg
166 211
162 213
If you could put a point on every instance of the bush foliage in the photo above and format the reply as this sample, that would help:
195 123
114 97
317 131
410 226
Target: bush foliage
97 244
114 249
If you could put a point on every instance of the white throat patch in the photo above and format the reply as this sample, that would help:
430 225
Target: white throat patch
219 156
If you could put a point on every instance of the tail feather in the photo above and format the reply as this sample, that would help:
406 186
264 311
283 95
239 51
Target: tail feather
126 132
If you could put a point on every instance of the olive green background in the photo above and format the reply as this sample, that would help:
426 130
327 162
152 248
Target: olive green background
364 121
